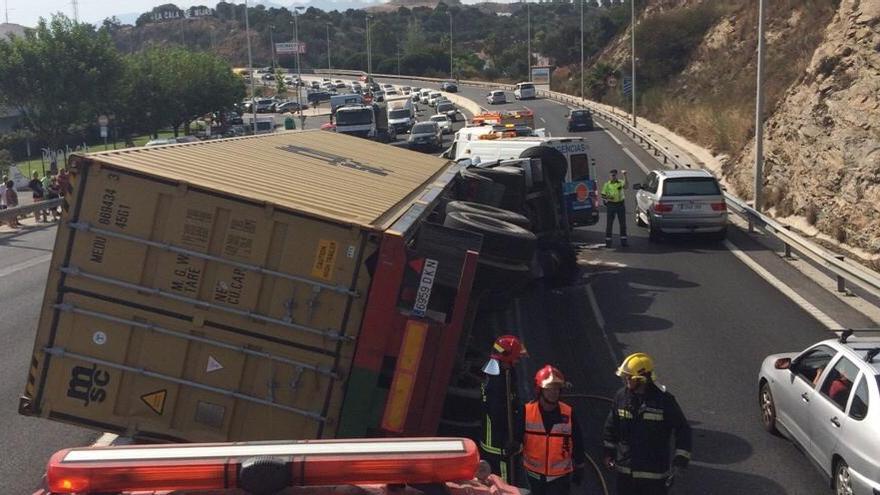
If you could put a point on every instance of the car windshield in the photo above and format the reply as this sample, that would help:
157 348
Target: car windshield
691 186
527 86
398 114
423 129
439 118
445 107
354 117
580 114
435 95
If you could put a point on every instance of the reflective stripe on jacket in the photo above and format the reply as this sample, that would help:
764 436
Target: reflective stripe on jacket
547 453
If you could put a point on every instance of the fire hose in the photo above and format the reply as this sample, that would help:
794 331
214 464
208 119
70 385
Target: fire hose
593 463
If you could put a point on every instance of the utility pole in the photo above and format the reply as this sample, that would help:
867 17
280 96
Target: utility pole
6 9
247 31
759 113
75 10
632 4
328 46
582 2
398 56
529 41
451 76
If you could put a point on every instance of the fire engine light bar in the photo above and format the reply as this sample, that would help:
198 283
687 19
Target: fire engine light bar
216 466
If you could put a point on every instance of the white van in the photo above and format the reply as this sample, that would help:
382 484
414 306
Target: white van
524 91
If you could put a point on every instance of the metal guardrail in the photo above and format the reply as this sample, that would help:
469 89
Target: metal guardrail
22 211
843 268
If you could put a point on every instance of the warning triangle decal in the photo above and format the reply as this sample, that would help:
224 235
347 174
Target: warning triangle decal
155 400
213 365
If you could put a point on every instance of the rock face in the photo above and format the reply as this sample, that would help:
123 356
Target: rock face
822 144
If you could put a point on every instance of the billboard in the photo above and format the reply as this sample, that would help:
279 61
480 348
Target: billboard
541 75
290 48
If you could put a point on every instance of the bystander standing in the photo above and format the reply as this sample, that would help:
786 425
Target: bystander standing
11 201
39 194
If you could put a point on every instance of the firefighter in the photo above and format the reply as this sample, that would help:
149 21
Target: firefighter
639 430
502 407
553 449
612 195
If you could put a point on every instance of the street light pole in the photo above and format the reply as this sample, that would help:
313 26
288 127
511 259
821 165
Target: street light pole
632 4
451 75
582 47
369 54
247 30
759 113
272 42
529 42
398 56
328 46
298 68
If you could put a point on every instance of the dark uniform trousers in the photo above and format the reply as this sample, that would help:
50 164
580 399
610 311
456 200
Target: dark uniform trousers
559 486
627 485
615 209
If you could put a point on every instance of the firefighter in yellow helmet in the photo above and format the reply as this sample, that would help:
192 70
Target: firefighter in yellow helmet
640 426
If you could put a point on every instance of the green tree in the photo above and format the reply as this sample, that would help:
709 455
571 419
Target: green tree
59 76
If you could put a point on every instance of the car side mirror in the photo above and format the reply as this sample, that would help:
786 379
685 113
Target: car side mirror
782 364
637 187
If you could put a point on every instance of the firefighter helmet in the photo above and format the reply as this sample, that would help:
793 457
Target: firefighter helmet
508 349
547 376
638 367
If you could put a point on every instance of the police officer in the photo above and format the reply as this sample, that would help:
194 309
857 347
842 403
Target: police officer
553 448
502 408
612 195
639 431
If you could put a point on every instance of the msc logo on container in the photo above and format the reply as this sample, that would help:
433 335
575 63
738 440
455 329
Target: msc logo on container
87 384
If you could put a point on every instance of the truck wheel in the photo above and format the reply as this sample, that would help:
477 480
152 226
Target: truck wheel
489 211
554 163
500 239
500 280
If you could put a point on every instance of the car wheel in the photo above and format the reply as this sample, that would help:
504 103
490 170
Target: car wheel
501 239
842 479
768 408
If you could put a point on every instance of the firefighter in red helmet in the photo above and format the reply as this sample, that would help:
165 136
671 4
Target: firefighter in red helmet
501 406
553 447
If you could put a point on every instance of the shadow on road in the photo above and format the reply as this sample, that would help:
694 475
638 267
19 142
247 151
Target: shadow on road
723 482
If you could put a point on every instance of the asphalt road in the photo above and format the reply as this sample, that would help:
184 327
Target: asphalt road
706 318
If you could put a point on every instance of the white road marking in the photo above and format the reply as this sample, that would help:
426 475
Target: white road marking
542 119
24 265
613 137
600 320
784 289
638 162
527 108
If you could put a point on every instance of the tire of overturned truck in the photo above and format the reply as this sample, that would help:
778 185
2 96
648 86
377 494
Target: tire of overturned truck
489 211
552 160
514 183
478 189
501 239
499 281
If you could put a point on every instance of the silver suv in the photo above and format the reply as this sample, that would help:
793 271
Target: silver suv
681 202
826 400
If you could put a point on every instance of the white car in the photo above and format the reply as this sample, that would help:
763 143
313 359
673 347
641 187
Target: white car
444 123
433 98
496 97
826 399
390 92
425 95
524 91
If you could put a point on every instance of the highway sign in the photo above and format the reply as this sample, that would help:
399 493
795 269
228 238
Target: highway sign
288 48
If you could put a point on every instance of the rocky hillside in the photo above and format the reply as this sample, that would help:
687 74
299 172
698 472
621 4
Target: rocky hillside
822 144
822 93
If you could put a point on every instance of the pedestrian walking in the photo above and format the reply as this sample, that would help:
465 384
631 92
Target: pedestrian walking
613 197
12 202
553 448
53 192
639 432
38 194
502 407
